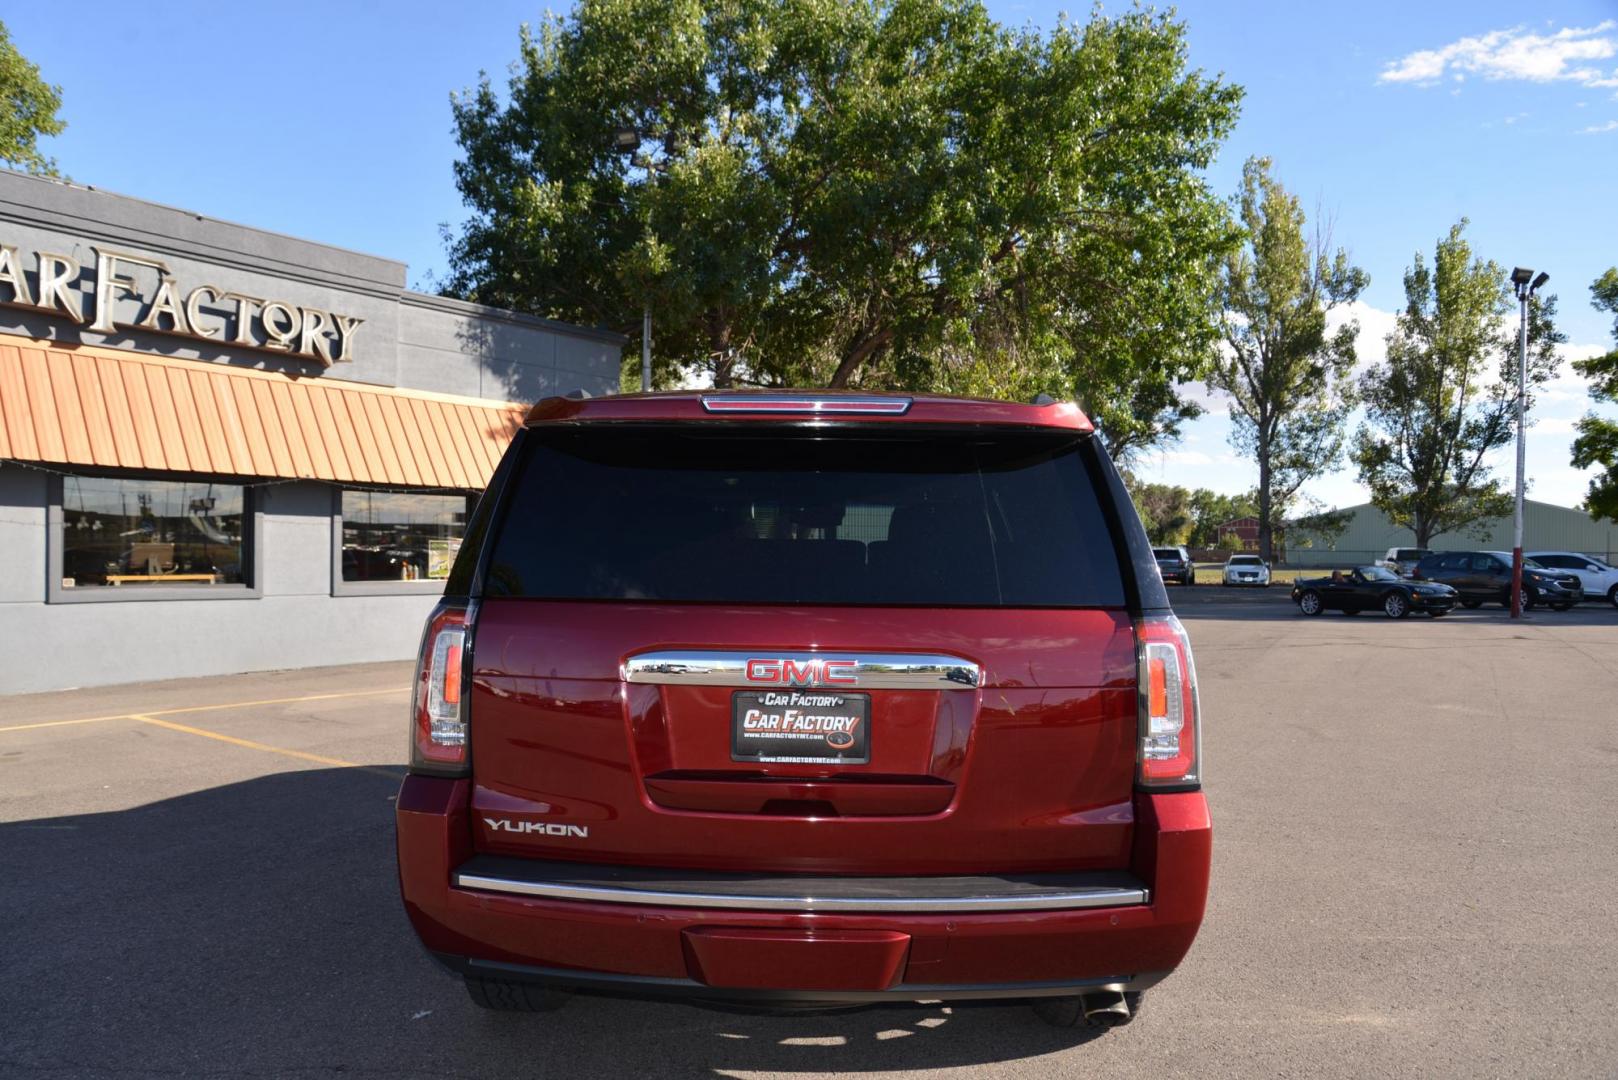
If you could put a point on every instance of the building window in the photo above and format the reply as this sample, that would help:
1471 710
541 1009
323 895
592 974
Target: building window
131 538
393 537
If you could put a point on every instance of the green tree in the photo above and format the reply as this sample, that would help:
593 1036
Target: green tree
28 107
1434 412
901 193
1287 378
1210 509
1165 511
1597 441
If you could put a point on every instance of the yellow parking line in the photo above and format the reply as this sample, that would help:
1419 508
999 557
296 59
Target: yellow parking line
251 745
206 708
62 723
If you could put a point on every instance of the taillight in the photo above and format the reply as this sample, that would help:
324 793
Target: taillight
438 717
1170 729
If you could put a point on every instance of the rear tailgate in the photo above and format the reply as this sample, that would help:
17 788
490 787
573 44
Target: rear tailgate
1031 771
846 652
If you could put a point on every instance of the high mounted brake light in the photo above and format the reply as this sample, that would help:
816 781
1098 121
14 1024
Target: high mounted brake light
804 403
438 712
1170 724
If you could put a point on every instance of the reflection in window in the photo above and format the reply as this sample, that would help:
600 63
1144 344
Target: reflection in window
140 533
400 537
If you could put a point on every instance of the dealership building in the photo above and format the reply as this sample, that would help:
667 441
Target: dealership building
226 450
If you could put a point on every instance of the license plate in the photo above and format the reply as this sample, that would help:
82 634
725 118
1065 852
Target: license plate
809 727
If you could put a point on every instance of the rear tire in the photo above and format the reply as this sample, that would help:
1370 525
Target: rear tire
506 995
1612 596
1068 1012
1471 605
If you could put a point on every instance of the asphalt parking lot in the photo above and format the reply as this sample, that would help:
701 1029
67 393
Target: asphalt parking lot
1416 874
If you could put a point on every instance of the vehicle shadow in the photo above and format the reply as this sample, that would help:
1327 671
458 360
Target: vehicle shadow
257 926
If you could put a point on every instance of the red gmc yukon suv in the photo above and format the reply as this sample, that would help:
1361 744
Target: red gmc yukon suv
806 701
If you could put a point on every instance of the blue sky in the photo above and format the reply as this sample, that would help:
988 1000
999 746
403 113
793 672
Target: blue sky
331 121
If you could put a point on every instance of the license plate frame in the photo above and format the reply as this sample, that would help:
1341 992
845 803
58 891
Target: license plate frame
800 727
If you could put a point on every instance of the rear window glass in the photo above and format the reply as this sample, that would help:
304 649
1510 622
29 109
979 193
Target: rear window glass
802 516
1166 553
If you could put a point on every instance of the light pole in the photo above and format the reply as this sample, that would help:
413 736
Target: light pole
1527 285
626 140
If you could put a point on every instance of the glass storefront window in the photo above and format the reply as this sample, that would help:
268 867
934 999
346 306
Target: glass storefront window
129 533
401 537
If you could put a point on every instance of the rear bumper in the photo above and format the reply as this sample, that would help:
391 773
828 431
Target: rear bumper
726 954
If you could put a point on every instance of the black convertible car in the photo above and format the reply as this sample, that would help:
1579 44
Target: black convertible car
1369 588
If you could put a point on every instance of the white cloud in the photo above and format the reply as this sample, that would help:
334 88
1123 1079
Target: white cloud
1185 457
1567 384
1568 55
1371 343
1597 129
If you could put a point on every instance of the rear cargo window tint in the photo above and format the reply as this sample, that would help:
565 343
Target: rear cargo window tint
802 517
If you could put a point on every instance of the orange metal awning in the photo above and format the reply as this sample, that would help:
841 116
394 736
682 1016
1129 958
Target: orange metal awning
81 405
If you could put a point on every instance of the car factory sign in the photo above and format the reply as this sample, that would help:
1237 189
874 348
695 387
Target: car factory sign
153 299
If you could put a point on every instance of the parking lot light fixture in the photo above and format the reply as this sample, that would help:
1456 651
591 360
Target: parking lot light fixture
1526 285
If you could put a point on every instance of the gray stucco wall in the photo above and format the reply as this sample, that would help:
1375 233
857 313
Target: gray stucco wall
297 622
407 339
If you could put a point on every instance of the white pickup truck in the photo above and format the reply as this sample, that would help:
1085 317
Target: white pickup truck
1402 560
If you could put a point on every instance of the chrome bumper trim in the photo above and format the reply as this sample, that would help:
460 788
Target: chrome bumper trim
1056 901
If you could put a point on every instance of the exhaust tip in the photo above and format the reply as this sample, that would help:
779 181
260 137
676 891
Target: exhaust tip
1102 1008
1106 1009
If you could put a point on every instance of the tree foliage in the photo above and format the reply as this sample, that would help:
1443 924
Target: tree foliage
1165 511
28 107
1191 516
1447 395
1288 379
1210 509
873 193
1597 441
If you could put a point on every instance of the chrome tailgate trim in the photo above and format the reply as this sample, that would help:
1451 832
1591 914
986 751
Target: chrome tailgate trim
1053 900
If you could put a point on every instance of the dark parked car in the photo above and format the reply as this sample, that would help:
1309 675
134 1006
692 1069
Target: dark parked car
1371 588
1484 577
1175 564
877 698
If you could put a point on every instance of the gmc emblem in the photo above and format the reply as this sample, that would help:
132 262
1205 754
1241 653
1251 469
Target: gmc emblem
812 672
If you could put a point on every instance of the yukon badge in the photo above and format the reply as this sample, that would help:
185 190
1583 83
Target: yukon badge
543 828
